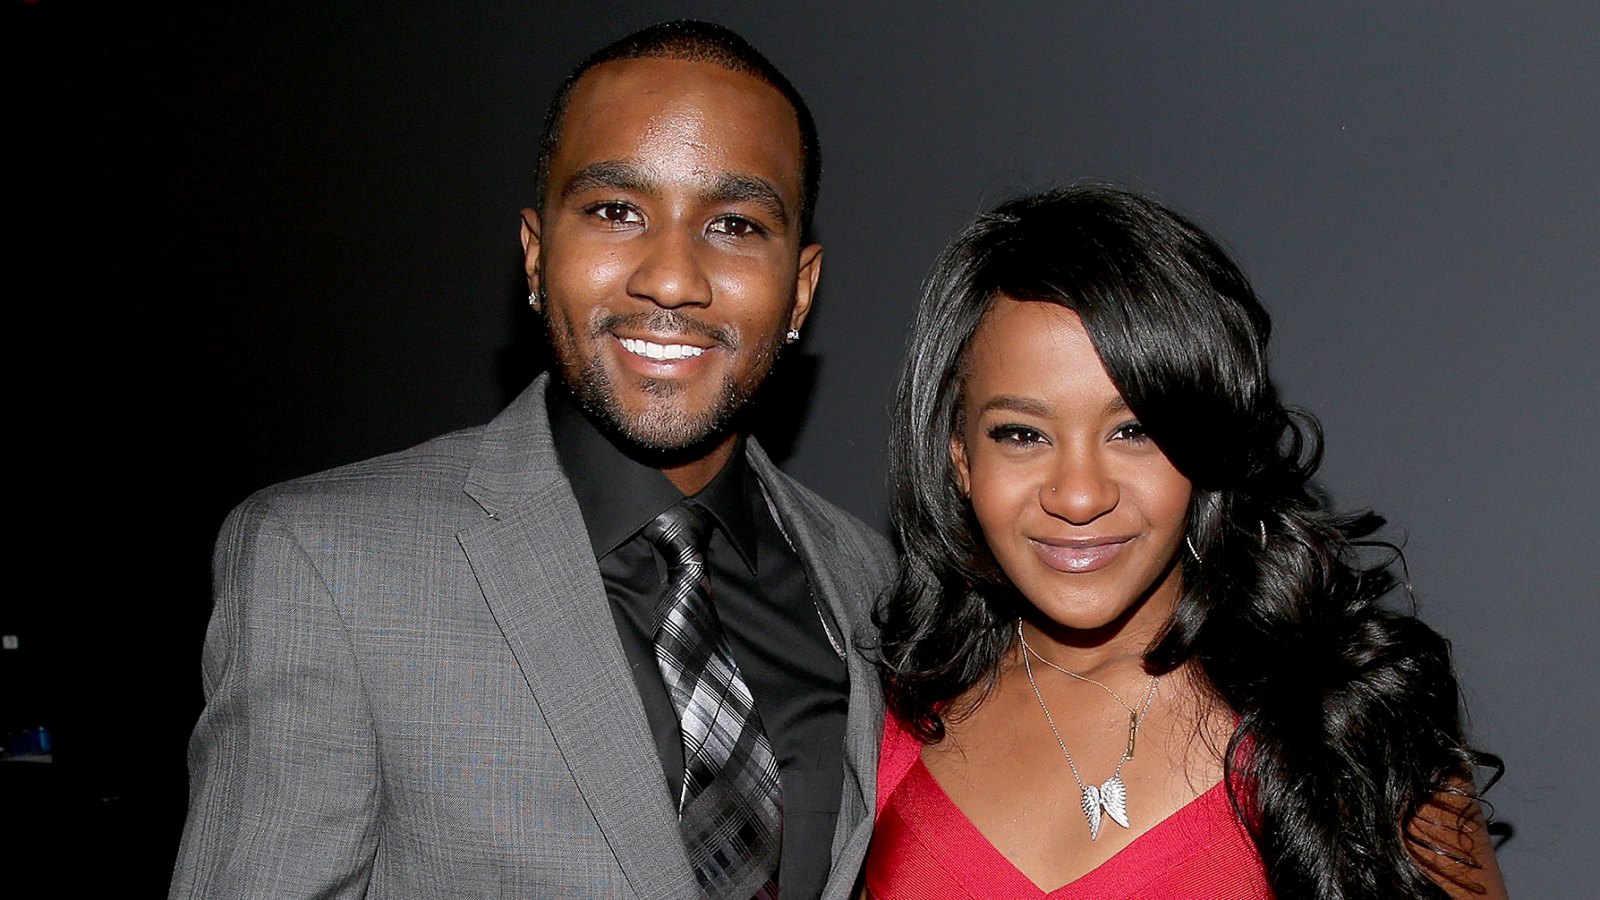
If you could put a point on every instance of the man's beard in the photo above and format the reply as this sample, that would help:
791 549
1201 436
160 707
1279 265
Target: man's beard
661 429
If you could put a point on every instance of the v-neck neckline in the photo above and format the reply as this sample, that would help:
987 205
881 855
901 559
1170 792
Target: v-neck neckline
1164 845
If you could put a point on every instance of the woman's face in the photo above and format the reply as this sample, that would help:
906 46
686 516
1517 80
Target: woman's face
1081 509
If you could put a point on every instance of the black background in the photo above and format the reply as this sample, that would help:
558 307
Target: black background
253 240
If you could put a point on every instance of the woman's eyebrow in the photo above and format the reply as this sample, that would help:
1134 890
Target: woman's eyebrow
1028 406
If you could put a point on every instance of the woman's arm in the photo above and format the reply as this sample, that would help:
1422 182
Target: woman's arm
1463 862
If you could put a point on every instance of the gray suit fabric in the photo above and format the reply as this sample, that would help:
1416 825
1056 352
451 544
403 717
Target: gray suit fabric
415 687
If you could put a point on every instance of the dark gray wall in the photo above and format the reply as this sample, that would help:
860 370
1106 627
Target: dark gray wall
275 239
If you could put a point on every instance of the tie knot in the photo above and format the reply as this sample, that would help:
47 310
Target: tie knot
681 533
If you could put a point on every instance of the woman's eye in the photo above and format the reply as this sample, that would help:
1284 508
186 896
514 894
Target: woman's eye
616 213
1132 432
734 226
1020 435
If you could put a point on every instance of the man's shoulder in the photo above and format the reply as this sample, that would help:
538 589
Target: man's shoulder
437 474
428 476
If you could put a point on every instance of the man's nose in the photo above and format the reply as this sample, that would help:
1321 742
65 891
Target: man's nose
671 272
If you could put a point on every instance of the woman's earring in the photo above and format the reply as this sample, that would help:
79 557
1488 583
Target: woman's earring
1193 552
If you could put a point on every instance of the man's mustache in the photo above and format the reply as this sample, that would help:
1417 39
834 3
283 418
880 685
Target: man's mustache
667 323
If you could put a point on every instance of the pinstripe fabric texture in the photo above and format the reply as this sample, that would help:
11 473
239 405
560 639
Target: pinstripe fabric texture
414 687
730 812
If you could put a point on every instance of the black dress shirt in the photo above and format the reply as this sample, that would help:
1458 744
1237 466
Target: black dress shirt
775 626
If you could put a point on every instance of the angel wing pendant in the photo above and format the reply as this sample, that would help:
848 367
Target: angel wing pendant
1091 809
1114 797
1109 799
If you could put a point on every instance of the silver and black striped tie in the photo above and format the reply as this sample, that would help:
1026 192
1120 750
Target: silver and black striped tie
730 813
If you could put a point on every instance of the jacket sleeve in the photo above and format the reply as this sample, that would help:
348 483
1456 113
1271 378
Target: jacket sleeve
284 783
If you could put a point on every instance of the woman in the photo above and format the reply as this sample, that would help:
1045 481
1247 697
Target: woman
1129 654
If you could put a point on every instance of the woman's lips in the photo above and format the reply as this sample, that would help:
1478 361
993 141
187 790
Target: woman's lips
1078 556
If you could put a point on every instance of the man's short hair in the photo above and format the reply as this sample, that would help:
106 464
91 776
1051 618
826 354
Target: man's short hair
691 40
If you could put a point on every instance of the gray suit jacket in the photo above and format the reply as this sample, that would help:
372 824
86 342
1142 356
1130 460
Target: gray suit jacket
415 688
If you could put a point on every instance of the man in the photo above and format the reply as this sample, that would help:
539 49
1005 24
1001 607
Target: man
492 665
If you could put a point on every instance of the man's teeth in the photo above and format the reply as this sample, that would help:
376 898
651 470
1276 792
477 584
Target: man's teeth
653 350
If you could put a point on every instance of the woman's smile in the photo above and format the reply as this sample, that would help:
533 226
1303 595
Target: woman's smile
1079 555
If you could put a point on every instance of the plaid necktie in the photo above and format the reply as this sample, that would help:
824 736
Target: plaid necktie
730 814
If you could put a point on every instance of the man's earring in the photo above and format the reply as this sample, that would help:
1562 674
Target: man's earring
535 301
792 336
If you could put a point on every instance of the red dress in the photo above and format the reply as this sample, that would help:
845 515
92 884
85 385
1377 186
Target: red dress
925 848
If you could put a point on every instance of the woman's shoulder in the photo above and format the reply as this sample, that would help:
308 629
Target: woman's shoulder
898 752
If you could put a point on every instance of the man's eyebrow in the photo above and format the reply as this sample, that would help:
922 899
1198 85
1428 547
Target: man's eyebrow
737 188
1028 406
608 174
621 175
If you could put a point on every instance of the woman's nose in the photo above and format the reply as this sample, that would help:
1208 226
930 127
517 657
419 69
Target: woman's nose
1079 491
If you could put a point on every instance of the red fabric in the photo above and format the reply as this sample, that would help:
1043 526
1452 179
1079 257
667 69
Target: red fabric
899 752
924 848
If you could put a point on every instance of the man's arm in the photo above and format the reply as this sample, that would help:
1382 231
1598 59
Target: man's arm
284 787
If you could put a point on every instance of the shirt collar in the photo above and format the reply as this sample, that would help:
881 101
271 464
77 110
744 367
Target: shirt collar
619 495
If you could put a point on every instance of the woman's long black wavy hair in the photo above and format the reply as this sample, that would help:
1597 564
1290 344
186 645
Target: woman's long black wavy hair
1349 709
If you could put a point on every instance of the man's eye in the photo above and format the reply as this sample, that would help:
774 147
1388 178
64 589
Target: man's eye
1020 435
734 226
616 213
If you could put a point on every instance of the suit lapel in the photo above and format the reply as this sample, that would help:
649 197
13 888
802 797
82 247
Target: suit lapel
532 559
832 562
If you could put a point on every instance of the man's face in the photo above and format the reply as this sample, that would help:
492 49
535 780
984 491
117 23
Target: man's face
668 248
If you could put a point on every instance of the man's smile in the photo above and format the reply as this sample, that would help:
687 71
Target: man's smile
653 350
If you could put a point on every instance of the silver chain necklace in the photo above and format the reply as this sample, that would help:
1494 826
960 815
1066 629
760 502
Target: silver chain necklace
1071 674
1110 798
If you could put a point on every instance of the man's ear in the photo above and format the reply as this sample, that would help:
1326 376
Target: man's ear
530 248
958 463
805 284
